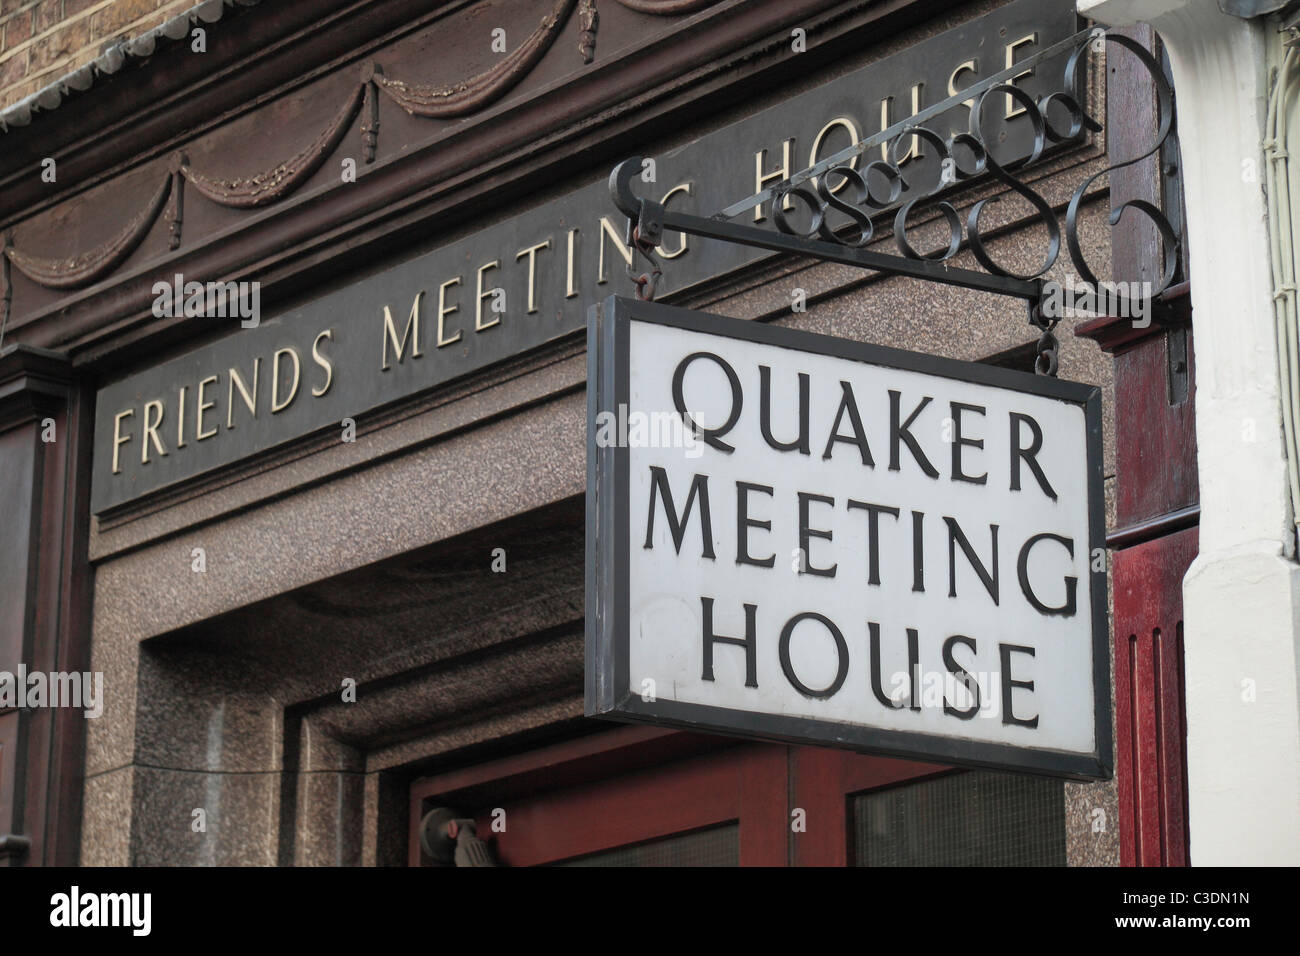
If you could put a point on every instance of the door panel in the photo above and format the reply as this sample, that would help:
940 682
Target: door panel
640 796
729 791
824 780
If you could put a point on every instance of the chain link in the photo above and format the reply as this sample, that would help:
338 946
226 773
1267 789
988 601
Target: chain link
646 282
1047 359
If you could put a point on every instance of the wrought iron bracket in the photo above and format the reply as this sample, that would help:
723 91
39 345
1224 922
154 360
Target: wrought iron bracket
711 228
860 197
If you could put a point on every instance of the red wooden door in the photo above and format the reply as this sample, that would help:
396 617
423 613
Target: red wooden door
643 796
630 787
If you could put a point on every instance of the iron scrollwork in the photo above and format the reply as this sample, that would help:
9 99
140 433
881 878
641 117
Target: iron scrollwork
803 205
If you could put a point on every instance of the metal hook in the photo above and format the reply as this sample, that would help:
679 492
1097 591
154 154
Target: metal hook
645 285
646 282
1047 359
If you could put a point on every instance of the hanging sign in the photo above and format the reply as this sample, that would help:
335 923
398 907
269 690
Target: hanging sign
802 538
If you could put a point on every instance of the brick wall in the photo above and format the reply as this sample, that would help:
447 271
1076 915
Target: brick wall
41 40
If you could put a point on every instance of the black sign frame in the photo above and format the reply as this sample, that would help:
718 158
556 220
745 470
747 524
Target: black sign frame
607 689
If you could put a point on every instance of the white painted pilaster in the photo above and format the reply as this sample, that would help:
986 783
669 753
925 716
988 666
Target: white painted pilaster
1242 594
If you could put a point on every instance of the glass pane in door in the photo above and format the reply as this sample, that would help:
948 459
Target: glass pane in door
976 818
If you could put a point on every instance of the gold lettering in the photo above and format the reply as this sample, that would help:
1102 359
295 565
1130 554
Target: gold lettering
570 285
970 66
151 430
886 111
180 417
884 125
844 123
444 311
276 404
761 179
412 330
531 253
480 295
681 246
237 381
1027 40
323 362
199 433
607 229
118 439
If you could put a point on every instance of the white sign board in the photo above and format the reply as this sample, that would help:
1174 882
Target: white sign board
801 538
